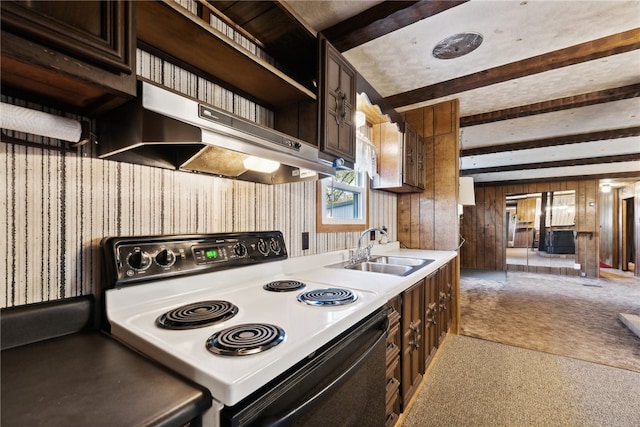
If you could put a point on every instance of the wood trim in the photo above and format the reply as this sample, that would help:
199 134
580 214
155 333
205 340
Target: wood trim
595 49
555 164
382 19
553 141
583 100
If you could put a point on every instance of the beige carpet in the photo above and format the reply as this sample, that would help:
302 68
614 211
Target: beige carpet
568 316
481 383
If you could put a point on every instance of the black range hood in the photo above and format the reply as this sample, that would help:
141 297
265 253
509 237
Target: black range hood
166 129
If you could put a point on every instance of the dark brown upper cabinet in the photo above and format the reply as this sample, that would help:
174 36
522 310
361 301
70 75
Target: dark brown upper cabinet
76 55
337 104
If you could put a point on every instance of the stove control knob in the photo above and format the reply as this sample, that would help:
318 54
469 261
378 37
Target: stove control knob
240 249
165 258
275 246
139 260
262 247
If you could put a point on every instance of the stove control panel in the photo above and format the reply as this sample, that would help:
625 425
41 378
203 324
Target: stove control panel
129 260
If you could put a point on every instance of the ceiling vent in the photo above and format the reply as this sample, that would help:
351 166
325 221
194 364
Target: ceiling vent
457 45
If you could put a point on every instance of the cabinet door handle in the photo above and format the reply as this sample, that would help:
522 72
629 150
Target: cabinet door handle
341 112
431 318
414 341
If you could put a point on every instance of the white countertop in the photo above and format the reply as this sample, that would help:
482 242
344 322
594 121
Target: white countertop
133 310
386 286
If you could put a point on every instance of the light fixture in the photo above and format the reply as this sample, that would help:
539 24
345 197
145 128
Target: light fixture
361 119
457 45
466 195
20 119
605 188
259 164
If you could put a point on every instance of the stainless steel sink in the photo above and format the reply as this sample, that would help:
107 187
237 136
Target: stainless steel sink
398 270
398 266
397 260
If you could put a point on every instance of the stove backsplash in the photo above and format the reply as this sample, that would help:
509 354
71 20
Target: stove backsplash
55 208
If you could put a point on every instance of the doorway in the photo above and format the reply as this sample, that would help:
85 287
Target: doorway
628 235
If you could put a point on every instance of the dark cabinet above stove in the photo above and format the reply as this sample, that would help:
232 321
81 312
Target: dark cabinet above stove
78 56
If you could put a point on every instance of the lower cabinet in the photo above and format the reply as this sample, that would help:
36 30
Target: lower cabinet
419 319
412 361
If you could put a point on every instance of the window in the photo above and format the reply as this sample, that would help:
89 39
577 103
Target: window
342 202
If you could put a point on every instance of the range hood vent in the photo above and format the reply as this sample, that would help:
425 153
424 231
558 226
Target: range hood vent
162 128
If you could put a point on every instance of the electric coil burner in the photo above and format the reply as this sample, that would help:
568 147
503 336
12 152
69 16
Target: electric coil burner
284 286
249 338
197 315
329 296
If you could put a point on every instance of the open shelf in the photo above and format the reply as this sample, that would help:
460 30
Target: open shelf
172 29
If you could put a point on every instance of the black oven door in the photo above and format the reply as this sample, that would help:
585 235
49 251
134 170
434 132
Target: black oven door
342 384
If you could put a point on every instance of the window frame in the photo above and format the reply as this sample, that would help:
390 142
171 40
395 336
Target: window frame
324 225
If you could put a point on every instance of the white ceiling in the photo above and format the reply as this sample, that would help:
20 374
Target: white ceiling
513 31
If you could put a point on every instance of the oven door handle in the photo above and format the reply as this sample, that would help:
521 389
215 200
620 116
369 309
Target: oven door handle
285 419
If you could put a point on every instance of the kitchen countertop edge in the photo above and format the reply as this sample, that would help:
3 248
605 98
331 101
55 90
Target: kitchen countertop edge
386 286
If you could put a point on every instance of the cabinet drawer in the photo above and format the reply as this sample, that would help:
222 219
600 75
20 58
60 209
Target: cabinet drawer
392 395
393 359
394 334
392 419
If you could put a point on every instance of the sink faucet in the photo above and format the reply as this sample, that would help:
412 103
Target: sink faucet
363 254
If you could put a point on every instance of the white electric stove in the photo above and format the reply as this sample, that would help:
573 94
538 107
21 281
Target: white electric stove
219 310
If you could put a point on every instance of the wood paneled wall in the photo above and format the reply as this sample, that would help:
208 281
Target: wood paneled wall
429 220
484 226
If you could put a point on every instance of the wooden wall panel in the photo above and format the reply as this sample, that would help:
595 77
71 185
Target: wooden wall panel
446 192
404 221
480 237
436 224
414 221
636 221
468 232
442 118
427 197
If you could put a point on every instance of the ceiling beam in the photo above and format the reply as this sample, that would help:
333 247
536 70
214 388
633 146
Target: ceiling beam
595 49
555 140
382 19
575 101
553 164
626 175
